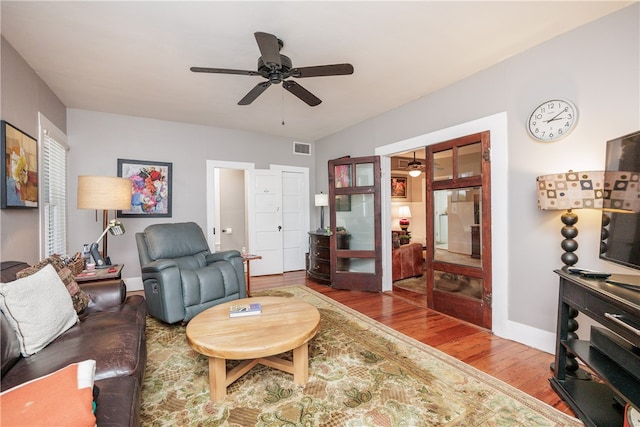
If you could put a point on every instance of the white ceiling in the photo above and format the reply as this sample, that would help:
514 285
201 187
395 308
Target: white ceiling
133 57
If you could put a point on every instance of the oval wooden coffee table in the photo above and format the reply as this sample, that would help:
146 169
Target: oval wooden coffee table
284 324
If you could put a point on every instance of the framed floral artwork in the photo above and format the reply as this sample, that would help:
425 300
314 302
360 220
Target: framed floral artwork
19 168
150 188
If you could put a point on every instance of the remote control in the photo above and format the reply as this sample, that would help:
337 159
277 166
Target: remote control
595 274
590 274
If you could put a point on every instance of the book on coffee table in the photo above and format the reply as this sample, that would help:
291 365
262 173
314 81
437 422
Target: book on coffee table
245 310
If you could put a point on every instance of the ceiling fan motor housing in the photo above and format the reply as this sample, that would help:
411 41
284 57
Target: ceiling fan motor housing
275 75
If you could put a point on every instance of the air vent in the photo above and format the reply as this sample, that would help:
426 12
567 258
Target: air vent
301 148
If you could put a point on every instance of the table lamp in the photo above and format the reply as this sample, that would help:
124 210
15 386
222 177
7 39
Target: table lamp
321 200
104 193
571 190
405 213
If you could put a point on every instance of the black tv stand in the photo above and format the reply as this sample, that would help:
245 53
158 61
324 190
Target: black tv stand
616 308
630 281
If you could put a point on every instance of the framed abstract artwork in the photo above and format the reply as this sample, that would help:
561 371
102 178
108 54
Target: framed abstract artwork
150 188
19 168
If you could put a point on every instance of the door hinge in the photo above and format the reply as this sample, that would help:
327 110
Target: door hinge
488 299
214 231
486 154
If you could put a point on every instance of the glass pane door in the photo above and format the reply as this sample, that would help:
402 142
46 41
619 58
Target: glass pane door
354 196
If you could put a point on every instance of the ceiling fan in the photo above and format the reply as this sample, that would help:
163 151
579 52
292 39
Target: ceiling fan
415 167
277 68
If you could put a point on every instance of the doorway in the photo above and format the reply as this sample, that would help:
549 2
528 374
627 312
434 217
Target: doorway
497 125
231 213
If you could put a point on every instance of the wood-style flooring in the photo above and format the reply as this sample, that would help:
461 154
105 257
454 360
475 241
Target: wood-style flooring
519 365
516 364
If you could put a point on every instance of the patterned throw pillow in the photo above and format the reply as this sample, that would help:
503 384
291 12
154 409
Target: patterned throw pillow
79 298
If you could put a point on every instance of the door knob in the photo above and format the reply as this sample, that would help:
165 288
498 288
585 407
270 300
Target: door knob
279 228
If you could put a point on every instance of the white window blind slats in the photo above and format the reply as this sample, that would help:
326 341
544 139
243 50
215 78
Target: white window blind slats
54 195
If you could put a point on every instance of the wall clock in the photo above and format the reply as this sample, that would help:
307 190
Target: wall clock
552 120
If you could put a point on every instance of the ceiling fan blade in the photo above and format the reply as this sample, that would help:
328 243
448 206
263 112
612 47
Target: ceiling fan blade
254 93
301 93
224 71
269 49
322 70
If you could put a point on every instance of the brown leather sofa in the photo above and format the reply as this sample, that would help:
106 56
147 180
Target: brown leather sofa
111 331
407 261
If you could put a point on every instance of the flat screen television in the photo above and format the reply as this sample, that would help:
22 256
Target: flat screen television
621 210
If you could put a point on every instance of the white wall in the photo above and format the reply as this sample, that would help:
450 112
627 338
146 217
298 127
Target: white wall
97 140
597 66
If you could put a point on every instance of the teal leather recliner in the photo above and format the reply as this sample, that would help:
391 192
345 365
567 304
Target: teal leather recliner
181 276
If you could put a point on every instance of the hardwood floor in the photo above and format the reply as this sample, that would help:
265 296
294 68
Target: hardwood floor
519 365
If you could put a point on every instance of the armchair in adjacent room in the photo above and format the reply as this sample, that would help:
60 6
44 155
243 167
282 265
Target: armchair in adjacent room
181 276
407 261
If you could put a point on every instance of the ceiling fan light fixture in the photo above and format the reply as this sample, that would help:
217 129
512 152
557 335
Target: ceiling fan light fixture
415 167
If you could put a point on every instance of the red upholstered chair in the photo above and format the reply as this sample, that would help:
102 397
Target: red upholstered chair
407 261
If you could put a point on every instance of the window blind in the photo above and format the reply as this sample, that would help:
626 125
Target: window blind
54 164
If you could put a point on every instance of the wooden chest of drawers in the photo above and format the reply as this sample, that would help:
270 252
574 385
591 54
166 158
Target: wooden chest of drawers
319 257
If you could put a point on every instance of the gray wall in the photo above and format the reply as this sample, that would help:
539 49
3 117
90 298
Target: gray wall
597 66
97 140
23 95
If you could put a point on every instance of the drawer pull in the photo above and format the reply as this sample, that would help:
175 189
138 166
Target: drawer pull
618 319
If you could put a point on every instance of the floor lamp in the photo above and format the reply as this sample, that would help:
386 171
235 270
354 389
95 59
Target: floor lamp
104 193
569 191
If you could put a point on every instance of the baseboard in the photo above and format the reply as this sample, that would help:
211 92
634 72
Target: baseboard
133 283
533 337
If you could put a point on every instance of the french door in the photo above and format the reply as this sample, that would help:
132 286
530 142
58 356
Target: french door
354 206
459 216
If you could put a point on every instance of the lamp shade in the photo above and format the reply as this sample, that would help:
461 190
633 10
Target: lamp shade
322 199
415 173
622 191
404 212
104 193
571 190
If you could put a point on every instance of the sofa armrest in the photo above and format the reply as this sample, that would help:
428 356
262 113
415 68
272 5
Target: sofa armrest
105 293
222 256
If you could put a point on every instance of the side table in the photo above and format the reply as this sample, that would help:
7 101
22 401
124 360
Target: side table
248 258
113 272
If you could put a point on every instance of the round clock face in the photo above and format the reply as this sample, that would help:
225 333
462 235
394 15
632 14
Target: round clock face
552 120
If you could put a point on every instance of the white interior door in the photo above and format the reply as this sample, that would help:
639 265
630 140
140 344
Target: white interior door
264 201
293 218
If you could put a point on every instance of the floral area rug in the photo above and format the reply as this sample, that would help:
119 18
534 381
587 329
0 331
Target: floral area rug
413 284
361 373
